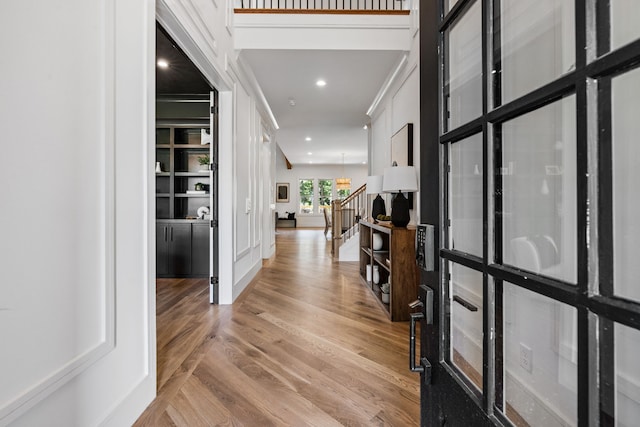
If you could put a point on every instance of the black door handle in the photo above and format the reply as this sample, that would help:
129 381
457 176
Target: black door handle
412 343
425 365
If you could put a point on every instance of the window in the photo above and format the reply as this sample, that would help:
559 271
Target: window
344 193
306 196
325 194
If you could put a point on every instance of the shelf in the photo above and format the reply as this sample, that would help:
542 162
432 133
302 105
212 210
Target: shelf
191 146
381 259
402 273
163 173
163 145
192 195
163 195
378 297
204 174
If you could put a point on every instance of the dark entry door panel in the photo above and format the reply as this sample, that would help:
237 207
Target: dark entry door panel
528 160
446 404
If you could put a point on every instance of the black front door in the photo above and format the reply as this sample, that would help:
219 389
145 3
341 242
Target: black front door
528 159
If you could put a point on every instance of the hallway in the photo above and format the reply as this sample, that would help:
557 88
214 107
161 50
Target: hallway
306 344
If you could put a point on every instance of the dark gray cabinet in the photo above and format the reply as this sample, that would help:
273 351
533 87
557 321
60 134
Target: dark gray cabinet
200 249
182 249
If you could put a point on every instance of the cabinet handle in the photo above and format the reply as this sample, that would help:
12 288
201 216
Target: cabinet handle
171 233
165 233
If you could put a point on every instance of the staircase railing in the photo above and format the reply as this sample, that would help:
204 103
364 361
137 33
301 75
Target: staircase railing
344 6
345 216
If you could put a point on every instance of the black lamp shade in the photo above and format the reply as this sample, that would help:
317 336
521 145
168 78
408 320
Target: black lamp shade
378 207
400 211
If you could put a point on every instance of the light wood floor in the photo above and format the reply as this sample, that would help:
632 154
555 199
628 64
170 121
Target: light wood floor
305 345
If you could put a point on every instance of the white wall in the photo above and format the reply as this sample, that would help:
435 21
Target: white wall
77 302
357 173
397 104
315 31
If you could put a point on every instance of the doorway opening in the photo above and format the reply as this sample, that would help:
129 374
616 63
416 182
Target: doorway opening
186 181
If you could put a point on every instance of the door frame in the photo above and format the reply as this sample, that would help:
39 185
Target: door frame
224 85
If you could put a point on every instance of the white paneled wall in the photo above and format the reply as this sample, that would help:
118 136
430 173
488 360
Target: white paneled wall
77 300
397 105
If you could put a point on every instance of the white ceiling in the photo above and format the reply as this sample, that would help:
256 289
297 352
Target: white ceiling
334 115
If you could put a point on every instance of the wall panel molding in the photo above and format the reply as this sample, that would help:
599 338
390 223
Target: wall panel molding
98 340
196 14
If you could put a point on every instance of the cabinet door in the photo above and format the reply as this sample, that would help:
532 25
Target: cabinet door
180 249
162 249
200 249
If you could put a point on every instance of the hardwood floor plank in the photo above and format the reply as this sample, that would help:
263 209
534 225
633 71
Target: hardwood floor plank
307 344
303 372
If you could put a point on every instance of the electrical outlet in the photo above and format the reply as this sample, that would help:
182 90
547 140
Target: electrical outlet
526 357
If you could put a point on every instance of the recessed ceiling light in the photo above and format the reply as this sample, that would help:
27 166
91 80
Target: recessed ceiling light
163 63
364 163
292 102
321 83
309 153
365 127
308 138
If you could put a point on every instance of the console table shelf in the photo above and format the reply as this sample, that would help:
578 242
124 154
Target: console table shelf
396 263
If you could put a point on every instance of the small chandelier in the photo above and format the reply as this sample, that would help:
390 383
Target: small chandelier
343 183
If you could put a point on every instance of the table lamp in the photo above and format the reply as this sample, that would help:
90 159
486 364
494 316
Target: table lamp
374 186
396 180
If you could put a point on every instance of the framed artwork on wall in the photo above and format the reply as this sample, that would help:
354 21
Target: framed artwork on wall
282 192
402 151
402 146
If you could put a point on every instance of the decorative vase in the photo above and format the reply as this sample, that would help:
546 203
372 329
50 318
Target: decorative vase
158 167
385 298
376 274
377 241
369 273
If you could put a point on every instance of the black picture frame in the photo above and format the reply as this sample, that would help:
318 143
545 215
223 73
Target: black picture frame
282 192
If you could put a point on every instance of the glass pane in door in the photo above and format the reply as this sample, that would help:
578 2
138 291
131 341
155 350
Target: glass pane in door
466 322
539 190
625 103
624 22
448 4
463 69
540 359
537 40
465 195
627 375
